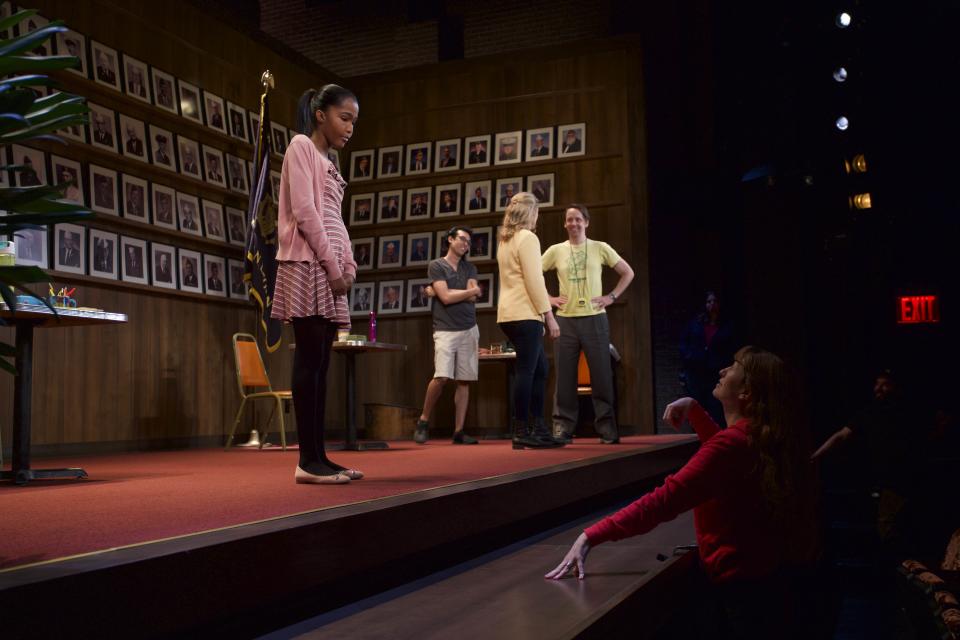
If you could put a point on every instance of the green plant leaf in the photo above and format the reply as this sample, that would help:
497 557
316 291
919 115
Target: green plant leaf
7 351
6 366
32 40
33 80
16 18
18 64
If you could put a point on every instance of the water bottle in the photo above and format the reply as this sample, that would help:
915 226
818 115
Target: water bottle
372 330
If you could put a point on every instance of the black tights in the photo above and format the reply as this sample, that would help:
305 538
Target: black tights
314 336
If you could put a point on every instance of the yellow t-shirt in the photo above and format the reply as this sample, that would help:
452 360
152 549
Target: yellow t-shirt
580 272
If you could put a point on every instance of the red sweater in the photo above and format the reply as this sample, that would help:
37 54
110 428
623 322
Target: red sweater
736 536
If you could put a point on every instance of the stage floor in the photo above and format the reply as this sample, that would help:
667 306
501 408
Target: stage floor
136 498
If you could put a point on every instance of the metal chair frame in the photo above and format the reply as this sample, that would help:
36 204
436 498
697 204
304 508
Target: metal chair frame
256 379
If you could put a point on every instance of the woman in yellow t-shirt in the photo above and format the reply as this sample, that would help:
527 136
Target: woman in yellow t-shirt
583 324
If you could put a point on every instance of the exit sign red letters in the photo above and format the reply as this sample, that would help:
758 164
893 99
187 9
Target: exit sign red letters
918 310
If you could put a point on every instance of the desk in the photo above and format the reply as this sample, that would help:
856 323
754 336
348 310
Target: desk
509 359
26 318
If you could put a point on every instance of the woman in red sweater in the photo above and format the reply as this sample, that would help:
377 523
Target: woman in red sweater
750 487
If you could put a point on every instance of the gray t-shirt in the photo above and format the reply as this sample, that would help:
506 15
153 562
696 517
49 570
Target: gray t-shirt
458 316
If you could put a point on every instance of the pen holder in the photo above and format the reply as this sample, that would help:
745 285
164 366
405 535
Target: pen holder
63 302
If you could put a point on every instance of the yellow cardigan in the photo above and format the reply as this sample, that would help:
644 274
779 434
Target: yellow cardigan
523 293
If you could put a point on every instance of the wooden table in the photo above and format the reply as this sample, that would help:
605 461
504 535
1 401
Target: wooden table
26 318
349 351
509 359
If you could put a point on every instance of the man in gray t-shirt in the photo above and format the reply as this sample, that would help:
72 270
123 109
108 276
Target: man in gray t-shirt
455 334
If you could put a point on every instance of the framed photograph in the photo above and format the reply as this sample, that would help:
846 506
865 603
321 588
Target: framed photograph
133 134
442 244
418 203
32 248
237 119
213 112
477 195
507 146
251 174
103 190
215 269
133 262
419 248
30 25
189 270
390 162
236 227
391 252
280 142
213 220
135 204
69 248
238 288
506 189
391 297
571 139
275 184
361 209
487 297
542 188
189 101
76 132
135 79
254 126
105 65
448 200
164 206
162 261
418 158
539 144
213 164
361 299
163 155
361 165
188 213
448 155
164 91
189 157
417 299
363 253
102 129
6 10
103 249
478 151
71 43
237 175
481 244
389 205
34 162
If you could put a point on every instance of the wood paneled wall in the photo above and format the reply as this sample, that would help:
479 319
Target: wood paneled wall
167 377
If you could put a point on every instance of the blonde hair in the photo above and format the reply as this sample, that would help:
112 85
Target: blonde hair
520 214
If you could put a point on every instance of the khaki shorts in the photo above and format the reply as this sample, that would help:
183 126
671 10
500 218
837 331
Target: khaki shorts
456 354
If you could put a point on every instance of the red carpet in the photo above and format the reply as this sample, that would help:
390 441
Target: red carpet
133 498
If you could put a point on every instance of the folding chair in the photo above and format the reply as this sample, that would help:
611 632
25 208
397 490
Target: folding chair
251 374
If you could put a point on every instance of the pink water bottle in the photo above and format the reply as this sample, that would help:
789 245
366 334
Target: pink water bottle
372 330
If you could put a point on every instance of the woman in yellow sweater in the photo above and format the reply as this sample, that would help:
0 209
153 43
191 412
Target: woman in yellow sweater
523 309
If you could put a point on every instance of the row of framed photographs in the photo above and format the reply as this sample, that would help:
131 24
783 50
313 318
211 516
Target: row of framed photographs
395 297
509 147
417 249
110 192
481 196
104 254
125 74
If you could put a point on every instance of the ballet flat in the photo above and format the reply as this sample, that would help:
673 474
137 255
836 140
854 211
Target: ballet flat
302 477
353 474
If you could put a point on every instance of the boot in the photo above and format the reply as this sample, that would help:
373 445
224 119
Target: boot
522 438
542 433
608 433
560 433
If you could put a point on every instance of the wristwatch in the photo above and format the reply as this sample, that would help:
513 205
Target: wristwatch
613 296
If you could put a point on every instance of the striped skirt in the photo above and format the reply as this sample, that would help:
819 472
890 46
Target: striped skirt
302 290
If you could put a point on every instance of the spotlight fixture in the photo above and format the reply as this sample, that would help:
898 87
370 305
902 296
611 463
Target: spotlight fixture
843 20
842 123
856 164
860 201
840 74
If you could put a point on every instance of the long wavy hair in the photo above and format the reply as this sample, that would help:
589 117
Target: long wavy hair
519 215
778 434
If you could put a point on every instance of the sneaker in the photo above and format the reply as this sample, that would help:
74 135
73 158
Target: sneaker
420 435
460 437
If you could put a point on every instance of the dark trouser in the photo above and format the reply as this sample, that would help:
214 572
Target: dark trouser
590 334
314 336
530 379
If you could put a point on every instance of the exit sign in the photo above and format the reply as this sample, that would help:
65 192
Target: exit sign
918 310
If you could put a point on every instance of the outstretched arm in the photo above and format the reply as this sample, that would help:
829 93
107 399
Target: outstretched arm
833 442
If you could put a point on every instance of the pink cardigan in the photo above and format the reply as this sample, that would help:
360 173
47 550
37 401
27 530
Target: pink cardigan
301 234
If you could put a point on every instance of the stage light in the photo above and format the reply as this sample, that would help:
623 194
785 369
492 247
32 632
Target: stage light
843 20
840 74
860 201
842 123
856 164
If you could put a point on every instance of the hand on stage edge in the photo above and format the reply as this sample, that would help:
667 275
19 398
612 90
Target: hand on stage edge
576 560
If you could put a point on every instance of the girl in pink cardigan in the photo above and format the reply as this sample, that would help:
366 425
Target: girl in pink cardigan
316 266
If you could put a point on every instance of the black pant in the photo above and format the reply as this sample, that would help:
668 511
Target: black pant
530 381
314 336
